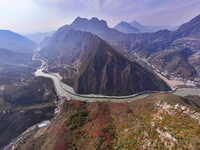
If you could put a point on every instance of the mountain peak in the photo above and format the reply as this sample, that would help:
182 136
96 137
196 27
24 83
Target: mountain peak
139 26
126 28
93 24
135 23
122 22
79 19
94 19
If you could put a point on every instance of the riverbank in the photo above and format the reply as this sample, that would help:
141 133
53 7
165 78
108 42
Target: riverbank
67 91
171 83
13 144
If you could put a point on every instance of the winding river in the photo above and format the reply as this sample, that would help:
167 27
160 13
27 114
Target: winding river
65 90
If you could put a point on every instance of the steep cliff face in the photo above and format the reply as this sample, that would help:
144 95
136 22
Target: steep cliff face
101 69
146 45
108 72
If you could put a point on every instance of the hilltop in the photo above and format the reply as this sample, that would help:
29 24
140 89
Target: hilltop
160 121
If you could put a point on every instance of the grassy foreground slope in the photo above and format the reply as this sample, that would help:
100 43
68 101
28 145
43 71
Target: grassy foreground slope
161 121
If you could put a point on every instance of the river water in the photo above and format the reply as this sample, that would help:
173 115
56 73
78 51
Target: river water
65 90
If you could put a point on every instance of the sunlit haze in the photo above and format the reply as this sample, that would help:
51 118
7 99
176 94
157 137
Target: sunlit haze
29 16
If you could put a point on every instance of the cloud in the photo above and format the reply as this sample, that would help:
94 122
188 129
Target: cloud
44 13
152 12
92 5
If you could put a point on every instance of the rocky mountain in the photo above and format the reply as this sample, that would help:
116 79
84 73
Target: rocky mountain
101 69
121 41
176 62
95 26
126 28
145 45
186 37
163 40
16 42
160 121
147 42
10 57
39 37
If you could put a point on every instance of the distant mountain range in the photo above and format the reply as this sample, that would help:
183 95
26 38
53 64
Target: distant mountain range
39 37
16 42
166 40
94 26
136 27
145 29
101 68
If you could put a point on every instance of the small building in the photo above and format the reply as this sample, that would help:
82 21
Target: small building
43 125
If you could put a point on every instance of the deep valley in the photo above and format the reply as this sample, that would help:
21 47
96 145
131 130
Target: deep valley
101 63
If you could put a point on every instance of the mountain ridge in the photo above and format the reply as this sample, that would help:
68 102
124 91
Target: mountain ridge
16 42
144 45
40 36
100 68
93 25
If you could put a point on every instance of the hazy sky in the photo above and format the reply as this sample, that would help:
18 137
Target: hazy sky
28 16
